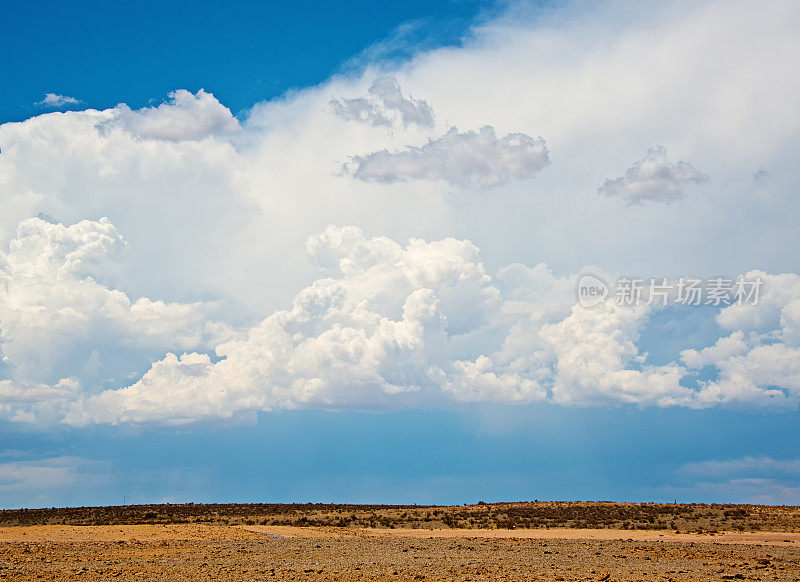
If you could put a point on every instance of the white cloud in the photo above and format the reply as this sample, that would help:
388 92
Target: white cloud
654 178
746 490
30 402
749 479
54 100
725 347
759 362
377 334
385 106
597 360
56 314
42 474
184 117
750 467
469 159
216 214
36 482
391 327
766 376
242 195
388 326
775 307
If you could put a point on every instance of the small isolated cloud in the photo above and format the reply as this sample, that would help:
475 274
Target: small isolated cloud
54 100
470 159
654 178
385 106
35 482
761 176
42 474
184 117
749 490
744 480
749 467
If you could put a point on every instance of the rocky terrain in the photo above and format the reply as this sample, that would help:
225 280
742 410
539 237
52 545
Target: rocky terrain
213 542
227 553
646 516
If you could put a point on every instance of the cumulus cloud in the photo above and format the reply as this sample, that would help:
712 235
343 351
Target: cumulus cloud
56 314
184 117
725 347
654 178
774 308
268 186
759 361
766 375
215 210
385 106
387 326
376 334
55 100
469 159
30 402
597 360
424 324
390 326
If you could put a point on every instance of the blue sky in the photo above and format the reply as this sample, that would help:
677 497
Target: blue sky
454 457
246 51
259 253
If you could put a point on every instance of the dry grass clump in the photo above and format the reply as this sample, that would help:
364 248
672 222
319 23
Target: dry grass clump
708 518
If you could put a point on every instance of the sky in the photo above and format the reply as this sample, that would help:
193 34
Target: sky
246 51
429 253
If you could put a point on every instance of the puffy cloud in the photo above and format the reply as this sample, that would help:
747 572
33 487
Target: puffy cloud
486 380
184 117
597 360
385 106
778 297
31 402
56 313
654 178
377 334
227 216
767 376
469 159
55 100
759 362
725 347
215 210
388 326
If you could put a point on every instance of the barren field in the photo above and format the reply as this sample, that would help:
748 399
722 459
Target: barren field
404 550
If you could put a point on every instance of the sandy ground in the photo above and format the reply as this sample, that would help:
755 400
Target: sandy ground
207 552
760 538
123 533
126 533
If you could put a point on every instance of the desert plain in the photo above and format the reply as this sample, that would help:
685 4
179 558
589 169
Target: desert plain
499 541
